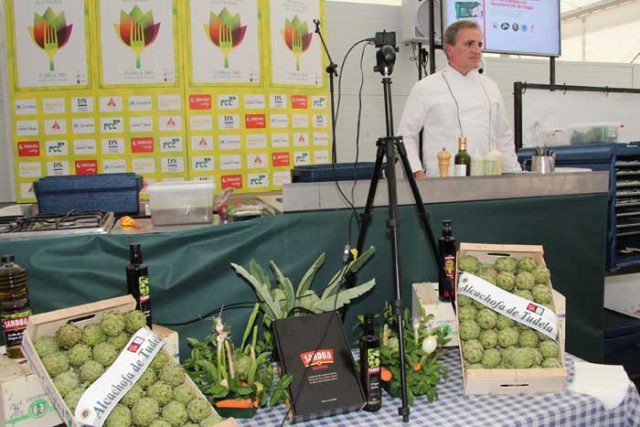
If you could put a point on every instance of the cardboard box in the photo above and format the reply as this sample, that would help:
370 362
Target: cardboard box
425 295
514 381
23 401
47 323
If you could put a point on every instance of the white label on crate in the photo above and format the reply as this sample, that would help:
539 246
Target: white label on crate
521 310
102 396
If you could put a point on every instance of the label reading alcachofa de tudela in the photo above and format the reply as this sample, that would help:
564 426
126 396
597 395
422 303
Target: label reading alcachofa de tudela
98 401
521 310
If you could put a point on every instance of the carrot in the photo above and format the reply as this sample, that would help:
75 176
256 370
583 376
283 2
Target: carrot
417 367
385 374
234 403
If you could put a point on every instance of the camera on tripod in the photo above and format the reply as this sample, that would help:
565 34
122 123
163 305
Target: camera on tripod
386 55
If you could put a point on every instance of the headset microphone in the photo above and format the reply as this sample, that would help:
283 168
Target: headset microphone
481 68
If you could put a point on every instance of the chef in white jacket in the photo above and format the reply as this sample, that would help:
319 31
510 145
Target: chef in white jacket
457 101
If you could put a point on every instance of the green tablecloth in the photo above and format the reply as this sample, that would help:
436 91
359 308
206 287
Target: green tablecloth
190 273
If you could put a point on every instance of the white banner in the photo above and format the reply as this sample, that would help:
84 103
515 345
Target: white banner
101 397
521 310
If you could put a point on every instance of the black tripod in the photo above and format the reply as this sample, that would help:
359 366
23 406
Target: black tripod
387 147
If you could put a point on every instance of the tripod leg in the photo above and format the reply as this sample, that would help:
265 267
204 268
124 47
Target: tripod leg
396 304
423 216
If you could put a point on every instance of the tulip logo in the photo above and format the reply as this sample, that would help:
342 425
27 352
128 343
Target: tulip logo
50 33
225 31
137 30
296 37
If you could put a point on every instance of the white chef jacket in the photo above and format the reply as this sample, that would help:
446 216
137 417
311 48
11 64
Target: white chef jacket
431 106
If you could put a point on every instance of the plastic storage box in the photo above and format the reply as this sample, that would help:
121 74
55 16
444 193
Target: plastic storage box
343 172
110 192
186 202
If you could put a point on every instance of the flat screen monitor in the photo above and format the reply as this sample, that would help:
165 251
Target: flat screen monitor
520 27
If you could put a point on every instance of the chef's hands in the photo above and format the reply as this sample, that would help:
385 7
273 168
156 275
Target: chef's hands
419 175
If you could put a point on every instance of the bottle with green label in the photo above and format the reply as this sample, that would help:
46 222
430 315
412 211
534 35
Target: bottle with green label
15 307
370 364
138 281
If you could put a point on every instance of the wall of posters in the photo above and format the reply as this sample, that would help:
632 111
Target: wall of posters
228 121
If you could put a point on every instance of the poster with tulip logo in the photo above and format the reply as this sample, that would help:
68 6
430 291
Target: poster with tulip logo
50 43
224 41
137 40
296 52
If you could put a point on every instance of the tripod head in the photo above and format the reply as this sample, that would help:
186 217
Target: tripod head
386 55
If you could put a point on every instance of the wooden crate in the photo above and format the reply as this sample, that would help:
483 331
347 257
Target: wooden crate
515 381
47 324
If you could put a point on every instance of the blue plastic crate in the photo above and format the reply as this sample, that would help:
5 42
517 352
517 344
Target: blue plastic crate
343 172
117 192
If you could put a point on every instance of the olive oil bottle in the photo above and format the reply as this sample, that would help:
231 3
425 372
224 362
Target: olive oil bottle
138 281
370 364
462 160
15 308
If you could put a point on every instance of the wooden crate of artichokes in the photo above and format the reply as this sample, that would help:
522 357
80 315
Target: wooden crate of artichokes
510 321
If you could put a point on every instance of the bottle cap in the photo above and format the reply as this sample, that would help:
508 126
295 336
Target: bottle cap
462 142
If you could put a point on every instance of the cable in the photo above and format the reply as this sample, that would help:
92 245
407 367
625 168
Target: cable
454 100
207 316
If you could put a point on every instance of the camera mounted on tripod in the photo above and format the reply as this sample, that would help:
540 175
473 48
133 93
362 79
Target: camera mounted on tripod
386 55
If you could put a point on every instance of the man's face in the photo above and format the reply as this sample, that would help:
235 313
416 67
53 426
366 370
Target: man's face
465 55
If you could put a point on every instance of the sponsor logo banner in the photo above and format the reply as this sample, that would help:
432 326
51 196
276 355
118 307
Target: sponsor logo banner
300 139
202 163
319 102
281 177
55 127
169 102
321 157
300 120
254 102
58 168
320 138
230 142
202 143
144 165
110 104
53 105
319 120
140 103
279 120
299 102
171 144
280 159
257 161
256 140
26 191
278 101
84 146
231 162
29 169
228 121
200 102
25 107
82 104
142 145
27 127
228 102
301 158
170 123
57 148
172 164
113 146
231 181
201 122
86 125
279 139
114 165
258 180
255 121
141 124
86 167
29 149
111 124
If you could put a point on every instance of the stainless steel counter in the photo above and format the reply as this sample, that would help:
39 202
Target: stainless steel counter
325 195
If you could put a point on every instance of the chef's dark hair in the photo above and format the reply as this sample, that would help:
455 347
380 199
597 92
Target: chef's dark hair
451 33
